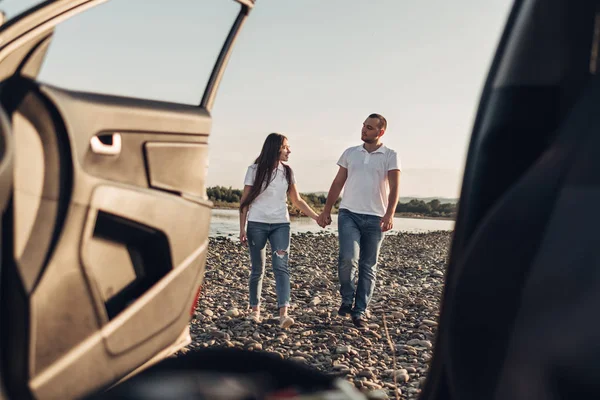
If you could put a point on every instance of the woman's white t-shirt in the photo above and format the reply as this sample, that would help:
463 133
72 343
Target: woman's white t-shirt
271 205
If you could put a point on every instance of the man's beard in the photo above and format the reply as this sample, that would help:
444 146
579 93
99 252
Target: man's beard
369 141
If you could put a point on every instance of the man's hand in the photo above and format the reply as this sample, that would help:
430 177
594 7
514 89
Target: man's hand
243 238
387 223
324 219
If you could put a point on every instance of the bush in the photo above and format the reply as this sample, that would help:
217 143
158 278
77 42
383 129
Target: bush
223 194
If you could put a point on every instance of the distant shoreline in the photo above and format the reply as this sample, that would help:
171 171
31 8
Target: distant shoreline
435 209
234 206
420 216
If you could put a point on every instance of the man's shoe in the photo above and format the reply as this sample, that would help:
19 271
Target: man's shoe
344 310
359 322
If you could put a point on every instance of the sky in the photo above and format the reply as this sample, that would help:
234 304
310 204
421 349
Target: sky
310 69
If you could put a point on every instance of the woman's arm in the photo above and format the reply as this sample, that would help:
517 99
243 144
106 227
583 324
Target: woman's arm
244 216
300 203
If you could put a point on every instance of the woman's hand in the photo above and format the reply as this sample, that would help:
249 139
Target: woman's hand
243 237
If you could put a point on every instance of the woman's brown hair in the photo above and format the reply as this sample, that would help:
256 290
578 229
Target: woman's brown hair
266 163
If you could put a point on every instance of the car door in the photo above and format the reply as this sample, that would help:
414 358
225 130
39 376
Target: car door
105 232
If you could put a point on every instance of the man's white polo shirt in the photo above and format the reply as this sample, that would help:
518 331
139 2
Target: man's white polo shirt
367 187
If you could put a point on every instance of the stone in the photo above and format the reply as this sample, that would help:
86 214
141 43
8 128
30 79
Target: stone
220 335
370 385
367 373
402 376
343 349
234 312
377 394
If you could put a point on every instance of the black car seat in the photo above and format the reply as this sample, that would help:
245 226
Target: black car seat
521 323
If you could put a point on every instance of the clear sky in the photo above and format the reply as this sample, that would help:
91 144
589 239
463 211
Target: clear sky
311 69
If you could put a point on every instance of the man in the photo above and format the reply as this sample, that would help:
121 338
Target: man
371 175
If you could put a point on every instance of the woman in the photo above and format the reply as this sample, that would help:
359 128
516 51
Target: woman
264 206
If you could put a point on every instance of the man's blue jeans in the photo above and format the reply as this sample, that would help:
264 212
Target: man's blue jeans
360 239
279 237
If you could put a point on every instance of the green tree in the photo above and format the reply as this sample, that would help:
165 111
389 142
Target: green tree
434 204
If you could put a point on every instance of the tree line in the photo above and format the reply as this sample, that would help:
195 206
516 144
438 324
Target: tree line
433 208
228 197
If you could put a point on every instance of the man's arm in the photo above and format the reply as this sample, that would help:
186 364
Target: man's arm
387 222
334 193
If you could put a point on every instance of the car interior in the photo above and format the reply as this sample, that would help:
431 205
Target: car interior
522 270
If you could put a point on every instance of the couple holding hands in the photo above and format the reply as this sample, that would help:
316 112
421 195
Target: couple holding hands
370 176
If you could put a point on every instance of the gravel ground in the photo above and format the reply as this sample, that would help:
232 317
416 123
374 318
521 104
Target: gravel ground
409 286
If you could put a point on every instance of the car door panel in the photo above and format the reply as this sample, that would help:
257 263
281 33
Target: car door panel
177 167
39 173
137 121
116 211
129 337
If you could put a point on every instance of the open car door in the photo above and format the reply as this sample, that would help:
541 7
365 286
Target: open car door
105 227
522 289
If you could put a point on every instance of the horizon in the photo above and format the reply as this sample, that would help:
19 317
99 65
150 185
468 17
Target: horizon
325 192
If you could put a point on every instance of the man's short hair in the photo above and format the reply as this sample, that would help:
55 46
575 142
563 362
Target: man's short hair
382 120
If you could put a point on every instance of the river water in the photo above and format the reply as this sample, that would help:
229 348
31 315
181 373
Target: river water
226 223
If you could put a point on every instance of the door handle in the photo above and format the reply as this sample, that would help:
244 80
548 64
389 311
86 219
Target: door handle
108 149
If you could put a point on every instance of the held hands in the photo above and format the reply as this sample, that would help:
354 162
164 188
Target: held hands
324 219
